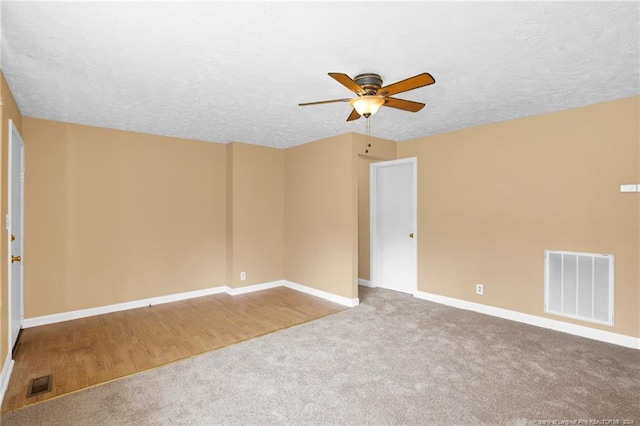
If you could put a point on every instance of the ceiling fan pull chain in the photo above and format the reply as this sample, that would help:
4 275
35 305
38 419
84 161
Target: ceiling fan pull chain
368 130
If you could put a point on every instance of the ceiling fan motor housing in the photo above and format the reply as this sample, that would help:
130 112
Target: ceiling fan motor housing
369 82
370 95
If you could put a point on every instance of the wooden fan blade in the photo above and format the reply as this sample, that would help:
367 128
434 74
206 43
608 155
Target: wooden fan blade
347 82
403 104
411 83
326 102
353 116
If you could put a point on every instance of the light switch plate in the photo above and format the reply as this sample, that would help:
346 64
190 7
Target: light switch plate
629 188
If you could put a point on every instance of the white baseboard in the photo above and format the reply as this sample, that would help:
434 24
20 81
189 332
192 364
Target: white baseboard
83 313
5 375
322 294
254 287
365 283
577 330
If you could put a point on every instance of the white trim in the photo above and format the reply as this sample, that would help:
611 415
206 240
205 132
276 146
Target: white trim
254 287
373 214
365 283
577 330
5 375
322 294
83 313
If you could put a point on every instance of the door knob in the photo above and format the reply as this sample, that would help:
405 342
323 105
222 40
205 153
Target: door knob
411 235
15 258
13 237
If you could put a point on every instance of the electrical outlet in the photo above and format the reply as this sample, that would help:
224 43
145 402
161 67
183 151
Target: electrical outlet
479 289
243 276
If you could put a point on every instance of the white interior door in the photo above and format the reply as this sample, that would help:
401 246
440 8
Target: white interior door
15 228
393 225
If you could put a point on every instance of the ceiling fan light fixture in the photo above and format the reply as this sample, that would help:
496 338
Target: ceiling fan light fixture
367 105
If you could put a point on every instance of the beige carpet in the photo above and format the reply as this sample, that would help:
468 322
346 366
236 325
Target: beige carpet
392 360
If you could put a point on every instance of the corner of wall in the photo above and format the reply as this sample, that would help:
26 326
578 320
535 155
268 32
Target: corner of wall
374 148
255 209
321 215
229 215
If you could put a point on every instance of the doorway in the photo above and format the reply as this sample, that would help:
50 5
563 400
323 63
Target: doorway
394 225
15 229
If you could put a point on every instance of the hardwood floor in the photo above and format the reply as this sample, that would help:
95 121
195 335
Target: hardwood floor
89 351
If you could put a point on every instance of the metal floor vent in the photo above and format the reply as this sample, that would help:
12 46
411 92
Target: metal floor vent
40 385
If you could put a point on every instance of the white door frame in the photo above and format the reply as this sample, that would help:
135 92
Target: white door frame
12 145
374 213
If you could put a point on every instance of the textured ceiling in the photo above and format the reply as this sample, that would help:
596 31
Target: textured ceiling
235 71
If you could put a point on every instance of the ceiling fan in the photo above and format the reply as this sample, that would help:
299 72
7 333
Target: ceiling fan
371 95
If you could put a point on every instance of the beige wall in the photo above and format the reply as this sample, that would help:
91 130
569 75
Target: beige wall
320 230
114 216
256 188
380 150
493 198
8 111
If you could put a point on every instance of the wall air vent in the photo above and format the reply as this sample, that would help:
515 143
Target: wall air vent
579 285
